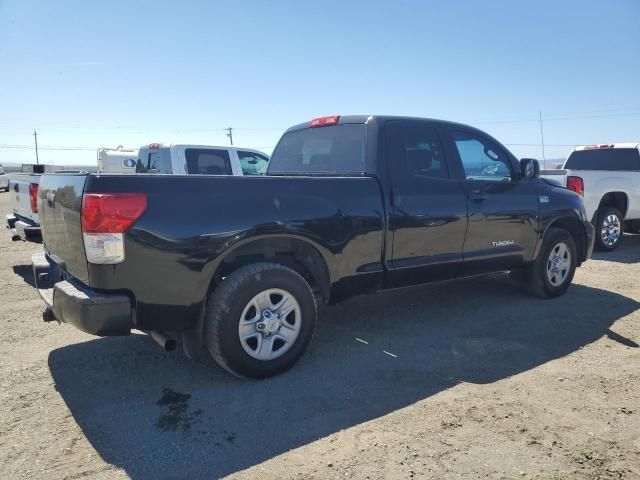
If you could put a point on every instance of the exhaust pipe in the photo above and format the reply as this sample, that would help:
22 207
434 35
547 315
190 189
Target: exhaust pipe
168 344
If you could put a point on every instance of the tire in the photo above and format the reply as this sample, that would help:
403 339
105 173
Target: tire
543 278
609 229
250 348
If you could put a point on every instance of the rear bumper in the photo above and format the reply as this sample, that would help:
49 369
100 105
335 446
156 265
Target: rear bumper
70 301
21 229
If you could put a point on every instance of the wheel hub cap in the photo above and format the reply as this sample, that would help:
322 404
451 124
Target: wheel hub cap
559 264
270 324
611 230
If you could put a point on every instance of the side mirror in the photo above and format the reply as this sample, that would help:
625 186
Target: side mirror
529 168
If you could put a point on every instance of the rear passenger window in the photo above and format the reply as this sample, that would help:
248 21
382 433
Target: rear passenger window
208 162
416 149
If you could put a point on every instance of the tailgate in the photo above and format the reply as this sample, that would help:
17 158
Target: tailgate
59 206
21 201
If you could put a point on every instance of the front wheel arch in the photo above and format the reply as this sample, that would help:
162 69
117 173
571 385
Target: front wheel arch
576 228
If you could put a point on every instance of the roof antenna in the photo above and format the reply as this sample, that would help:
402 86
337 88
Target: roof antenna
544 159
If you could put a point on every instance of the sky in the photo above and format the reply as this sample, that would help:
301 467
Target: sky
90 74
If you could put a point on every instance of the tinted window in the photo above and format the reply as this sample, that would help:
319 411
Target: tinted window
208 162
253 163
335 149
604 159
154 161
416 150
481 158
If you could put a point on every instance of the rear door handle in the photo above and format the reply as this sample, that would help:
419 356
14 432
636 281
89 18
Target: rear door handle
478 195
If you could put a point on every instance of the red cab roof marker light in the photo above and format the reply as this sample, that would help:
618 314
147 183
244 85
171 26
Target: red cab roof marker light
324 121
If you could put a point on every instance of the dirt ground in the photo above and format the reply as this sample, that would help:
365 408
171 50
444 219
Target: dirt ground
470 380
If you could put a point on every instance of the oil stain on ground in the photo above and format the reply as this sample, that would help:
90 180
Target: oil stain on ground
177 416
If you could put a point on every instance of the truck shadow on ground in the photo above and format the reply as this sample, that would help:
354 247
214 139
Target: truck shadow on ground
627 252
26 273
158 415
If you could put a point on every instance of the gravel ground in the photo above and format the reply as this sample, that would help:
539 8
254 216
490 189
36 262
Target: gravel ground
471 380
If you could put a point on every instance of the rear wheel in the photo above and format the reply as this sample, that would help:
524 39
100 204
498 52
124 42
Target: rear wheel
260 320
552 272
608 229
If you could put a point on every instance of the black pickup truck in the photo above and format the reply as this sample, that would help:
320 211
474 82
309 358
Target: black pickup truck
350 205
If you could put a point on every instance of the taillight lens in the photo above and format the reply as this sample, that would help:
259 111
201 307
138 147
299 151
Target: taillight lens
576 184
111 212
105 218
33 196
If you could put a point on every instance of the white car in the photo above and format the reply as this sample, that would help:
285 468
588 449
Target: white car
608 178
183 159
4 180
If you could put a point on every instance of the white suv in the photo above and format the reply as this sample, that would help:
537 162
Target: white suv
608 178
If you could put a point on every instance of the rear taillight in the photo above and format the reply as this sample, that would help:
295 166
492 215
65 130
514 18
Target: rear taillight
576 184
324 121
105 218
33 196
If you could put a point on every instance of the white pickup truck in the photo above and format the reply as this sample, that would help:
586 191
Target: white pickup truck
23 221
183 159
608 178
4 180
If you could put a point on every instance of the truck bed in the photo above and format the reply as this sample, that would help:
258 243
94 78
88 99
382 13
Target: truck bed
191 219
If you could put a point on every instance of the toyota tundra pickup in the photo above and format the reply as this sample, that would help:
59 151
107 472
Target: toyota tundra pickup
350 205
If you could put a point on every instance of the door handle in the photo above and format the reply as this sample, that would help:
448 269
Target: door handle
478 195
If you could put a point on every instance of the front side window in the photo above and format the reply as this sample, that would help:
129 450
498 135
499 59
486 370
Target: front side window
324 150
481 158
253 163
201 161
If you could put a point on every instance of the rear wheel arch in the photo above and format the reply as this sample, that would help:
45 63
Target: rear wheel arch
617 200
298 254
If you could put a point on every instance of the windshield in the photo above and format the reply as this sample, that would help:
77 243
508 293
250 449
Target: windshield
335 149
604 159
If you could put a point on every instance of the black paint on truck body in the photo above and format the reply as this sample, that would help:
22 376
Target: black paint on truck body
381 228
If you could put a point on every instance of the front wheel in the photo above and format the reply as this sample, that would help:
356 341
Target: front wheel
260 320
608 229
552 272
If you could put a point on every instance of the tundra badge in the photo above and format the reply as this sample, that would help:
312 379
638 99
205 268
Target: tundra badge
502 243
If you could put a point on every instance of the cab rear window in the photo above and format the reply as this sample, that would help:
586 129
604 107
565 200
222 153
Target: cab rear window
154 161
325 150
611 159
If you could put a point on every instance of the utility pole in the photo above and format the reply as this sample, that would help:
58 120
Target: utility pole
230 134
544 159
35 138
